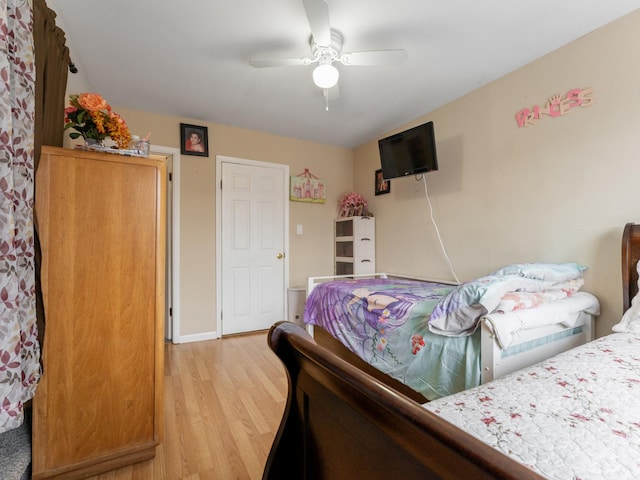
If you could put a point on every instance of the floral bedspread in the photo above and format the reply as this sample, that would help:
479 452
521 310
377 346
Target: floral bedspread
386 324
574 416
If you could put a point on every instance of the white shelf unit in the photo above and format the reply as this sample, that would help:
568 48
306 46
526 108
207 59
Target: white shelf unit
355 246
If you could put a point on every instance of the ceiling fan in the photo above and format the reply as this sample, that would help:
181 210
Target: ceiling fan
326 48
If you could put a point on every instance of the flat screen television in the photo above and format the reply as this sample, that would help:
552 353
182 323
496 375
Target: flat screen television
409 153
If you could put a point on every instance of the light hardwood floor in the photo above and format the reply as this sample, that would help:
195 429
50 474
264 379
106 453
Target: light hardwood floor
223 403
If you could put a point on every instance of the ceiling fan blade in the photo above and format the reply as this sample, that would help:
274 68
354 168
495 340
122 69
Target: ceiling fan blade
375 57
279 62
318 16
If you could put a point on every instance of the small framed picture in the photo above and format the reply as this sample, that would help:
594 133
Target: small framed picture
382 185
194 140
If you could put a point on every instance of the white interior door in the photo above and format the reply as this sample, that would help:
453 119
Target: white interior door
253 246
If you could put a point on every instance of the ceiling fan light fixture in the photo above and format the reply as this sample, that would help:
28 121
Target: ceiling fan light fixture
325 75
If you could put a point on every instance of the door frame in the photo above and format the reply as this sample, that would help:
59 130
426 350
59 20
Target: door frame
175 240
284 169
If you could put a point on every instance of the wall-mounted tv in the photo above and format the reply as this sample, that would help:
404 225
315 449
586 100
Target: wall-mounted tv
409 153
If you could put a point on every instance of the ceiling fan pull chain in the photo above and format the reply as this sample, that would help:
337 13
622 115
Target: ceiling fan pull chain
326 99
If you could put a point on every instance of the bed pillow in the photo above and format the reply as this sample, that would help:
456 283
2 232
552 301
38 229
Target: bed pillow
551 272
630 322
458 312
521 300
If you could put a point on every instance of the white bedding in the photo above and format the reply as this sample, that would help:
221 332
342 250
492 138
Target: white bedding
506 326
574 416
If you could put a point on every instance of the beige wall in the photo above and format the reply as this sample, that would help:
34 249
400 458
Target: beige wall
309 254
561 190
557 191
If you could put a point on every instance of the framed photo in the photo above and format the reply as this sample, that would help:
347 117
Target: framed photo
194 140
382 185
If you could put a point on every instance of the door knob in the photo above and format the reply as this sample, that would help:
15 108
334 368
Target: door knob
279 256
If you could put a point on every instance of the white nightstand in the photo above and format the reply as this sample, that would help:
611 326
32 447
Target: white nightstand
296 297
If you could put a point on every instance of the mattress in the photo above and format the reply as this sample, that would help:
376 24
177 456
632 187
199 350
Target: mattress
386 322
574 416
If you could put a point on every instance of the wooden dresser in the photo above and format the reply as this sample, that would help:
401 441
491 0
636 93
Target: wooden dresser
101 220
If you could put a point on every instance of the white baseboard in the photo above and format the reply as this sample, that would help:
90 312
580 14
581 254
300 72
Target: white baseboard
198 337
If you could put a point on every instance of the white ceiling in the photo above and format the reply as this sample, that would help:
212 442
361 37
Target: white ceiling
189 58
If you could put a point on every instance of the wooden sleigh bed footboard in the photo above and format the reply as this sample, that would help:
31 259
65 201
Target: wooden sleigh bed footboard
341 423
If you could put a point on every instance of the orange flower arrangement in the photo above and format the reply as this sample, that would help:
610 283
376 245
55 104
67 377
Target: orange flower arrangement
92 117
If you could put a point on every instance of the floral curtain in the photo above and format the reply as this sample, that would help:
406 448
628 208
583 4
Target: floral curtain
19 348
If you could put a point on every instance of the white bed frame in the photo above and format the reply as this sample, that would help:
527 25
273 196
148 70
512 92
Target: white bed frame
496 362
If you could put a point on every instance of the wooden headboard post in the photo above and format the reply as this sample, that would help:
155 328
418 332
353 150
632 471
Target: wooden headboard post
630 257
341 423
